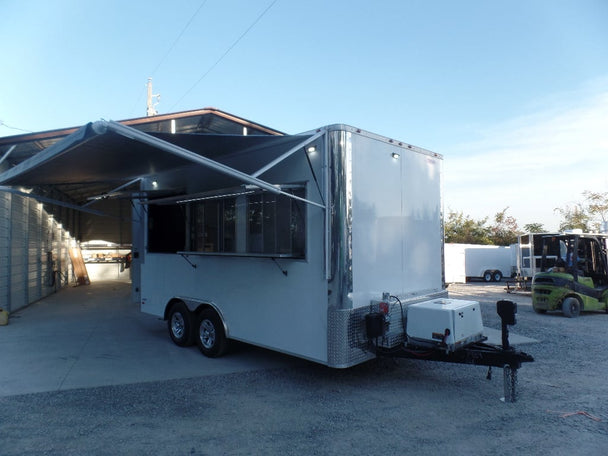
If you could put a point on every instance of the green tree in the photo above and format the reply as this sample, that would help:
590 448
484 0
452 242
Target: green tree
588 215
534 228
597 207
504 231
462 229
574 217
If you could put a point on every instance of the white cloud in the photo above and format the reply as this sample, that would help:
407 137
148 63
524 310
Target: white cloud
534 163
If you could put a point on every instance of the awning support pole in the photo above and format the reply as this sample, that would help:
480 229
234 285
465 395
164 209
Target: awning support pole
287 154
105 195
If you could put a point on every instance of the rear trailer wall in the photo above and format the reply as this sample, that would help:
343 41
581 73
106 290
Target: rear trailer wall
387 236
396 222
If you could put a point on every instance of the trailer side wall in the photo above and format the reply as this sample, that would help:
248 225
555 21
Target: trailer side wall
278 303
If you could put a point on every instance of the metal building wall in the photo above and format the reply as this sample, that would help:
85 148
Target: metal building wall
34 255
18 251
5 242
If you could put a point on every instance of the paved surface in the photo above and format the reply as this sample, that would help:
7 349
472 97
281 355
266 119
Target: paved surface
93 336
107 380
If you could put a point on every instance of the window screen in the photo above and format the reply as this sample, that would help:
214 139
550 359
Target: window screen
256 223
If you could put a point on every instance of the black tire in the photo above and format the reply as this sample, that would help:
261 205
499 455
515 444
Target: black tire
496 276
487 276
571 307
210 335
180 324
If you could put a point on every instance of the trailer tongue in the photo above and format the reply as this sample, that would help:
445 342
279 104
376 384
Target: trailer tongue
460 341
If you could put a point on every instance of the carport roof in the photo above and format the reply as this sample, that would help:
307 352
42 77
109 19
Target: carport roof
66 182
206 120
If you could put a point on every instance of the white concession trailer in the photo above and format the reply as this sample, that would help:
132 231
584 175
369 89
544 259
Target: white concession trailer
327 245
349 219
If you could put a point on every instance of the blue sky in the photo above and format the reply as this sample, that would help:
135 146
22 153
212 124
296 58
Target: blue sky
513 94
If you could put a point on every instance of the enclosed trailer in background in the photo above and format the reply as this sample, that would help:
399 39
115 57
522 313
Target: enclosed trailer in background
530 252
473 261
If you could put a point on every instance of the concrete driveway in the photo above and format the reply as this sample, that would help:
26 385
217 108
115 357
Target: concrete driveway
93 335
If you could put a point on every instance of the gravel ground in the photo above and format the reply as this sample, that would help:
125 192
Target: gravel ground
382 407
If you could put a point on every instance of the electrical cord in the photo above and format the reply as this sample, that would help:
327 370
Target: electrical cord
403 318
226 52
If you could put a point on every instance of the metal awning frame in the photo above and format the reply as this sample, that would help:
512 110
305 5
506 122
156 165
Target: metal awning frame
101 127
93 199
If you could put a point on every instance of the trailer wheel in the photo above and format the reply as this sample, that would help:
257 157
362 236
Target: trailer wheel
180 324
571 307
487 276
496 276
210 335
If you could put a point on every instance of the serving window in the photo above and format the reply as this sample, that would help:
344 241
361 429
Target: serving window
276 224
233 222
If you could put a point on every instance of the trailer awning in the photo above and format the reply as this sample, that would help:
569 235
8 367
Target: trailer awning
104 156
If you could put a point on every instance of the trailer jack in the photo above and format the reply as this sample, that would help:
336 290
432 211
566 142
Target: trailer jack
479 353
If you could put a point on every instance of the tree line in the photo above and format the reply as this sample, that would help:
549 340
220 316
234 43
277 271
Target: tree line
588 215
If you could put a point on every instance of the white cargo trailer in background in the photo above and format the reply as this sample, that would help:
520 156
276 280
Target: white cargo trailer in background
473 261
530 252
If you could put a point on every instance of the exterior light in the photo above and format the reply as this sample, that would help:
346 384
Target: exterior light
154 183
395 155
311 149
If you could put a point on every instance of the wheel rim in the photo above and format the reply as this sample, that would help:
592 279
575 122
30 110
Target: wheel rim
207 334
178 325
574 307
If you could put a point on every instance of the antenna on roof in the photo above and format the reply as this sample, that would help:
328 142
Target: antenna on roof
150 105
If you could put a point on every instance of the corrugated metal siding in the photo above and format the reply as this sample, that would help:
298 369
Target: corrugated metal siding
33 251
5 227
32 246
18 249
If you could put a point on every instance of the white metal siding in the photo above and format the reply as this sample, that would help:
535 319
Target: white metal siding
5 226
397 235
27 233
18 252
33 254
